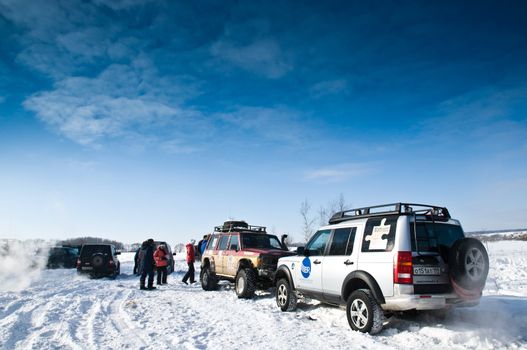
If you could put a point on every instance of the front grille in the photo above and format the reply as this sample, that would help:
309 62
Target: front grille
269 263
432 288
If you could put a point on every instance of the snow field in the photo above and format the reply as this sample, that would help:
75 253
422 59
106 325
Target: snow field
61 310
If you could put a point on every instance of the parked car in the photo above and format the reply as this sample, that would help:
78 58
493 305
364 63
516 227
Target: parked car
386 259
243 254
62 257
99 260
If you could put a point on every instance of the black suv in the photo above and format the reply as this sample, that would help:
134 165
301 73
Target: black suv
62 257
99 260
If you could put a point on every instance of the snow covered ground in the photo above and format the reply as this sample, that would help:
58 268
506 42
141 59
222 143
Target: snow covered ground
59 309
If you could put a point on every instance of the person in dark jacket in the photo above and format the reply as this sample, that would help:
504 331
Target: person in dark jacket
137 261
147 265
190 262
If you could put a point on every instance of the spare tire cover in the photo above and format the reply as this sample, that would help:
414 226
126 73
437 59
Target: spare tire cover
97 260
469 263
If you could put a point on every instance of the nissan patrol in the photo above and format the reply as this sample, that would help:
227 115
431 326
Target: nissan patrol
243 254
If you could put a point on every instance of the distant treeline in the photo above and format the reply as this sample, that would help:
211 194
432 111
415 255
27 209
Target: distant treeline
487 232
502 237
505 235
83 240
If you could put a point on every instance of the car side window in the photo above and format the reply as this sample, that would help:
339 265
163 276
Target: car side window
224 241
212 243
342 242
317 244
234 244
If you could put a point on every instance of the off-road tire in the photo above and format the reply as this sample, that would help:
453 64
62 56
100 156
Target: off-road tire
363 312
469 263
245 283
208 280
98 261
286 298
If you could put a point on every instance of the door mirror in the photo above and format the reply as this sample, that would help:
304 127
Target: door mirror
174 254
300 251
118 253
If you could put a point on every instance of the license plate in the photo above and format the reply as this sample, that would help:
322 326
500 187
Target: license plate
427 270
87 268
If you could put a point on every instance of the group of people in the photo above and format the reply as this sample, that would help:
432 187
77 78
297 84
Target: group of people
149 259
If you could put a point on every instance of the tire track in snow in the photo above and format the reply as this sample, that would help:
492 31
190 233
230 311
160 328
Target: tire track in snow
133 336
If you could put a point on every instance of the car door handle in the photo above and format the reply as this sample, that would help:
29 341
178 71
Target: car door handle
317 262
347 262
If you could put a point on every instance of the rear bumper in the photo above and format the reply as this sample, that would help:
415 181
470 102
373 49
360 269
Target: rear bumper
404 299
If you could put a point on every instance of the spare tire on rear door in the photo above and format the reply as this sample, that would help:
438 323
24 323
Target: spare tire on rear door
469 264
98 261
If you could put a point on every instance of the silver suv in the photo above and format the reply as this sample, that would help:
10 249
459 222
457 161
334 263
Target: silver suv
384 259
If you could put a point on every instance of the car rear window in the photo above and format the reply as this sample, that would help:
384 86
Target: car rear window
89 250
431 237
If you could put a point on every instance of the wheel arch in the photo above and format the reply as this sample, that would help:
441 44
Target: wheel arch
283 272
361 280
244 263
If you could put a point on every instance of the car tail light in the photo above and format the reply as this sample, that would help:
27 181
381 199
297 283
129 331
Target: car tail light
403 269
78 262
110 262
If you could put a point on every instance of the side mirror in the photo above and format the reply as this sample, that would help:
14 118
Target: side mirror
118 253
300 250
174 254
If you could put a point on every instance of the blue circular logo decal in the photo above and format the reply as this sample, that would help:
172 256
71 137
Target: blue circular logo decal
306 267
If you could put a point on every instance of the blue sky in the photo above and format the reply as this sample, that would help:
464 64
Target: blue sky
136 118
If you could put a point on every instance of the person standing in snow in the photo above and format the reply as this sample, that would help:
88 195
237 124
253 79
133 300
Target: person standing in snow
160 256
203 244
147 265
137 261
190 262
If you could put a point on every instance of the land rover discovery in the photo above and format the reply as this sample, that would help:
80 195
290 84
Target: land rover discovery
384 259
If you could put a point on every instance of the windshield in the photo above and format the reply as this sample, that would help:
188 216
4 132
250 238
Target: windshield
260 241
433 236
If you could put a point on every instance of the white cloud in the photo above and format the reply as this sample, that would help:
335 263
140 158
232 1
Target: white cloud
2 99
263 57
124 101
339 173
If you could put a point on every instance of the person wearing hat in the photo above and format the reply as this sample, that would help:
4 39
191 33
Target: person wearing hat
160 256
190 262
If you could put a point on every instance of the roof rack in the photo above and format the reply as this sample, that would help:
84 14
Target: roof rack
435 212
229 226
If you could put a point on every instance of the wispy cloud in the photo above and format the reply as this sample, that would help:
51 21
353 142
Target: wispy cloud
339 173
328 87
487 116
262 56
124 101
277 123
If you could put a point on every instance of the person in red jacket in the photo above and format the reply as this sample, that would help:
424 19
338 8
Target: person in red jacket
161 259
190 262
